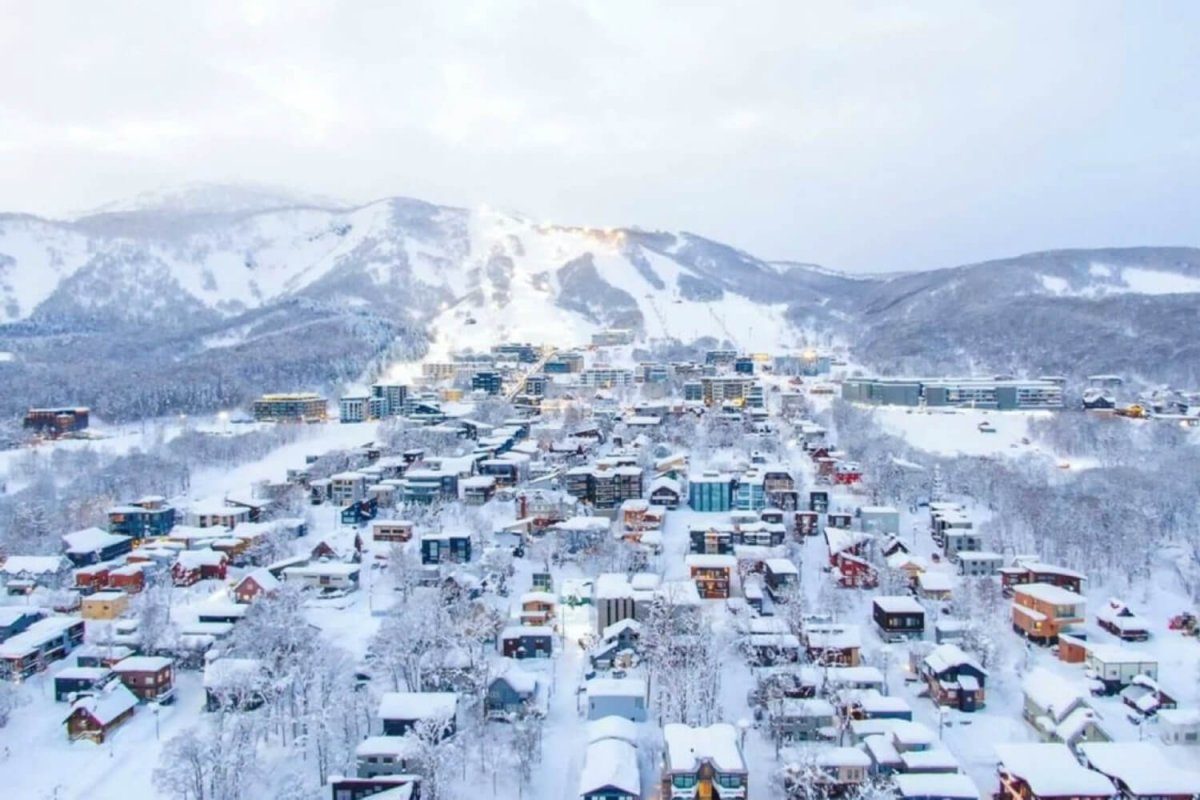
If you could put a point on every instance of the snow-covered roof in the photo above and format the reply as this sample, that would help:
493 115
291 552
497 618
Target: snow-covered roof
143 664
521 681
616 687
612 727
226 672
610 763
1049 593
89 540
263 577
1142 767
1116 654
832 636
941 785
109 704
417 705
330 568
1052 693
389 746
613 585
843 757
781 566
898 604
521 631
948 656
710 561
84 673
688 747
794 707
33 565
936 581
194 559
1051 770
618 627
933 758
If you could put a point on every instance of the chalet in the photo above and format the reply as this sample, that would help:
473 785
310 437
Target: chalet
781 577
512 693
142 519
1030 571
1041 611
855 572
347 487
257 507
527 641
380 787
871 704
97 655
478 489
235 683
818 501
610 771
1145 696
104 605
615 640
151 678
402 712
55 422
359 511
703 762
324 575
954 678
841 770
957 542
898 615
130 578
935 585
537 608
386 755
1179 726
79 680
91 578
255 584
665 492
712 539
1047 771
979 563
15 620
323 551
1116 667
93 545
23 574
1058 710
627 698
829 643
193 566
890 545
96 716
216 514
1119 620
712 574
802 720
771 649
1141 770
806 523
445 548
839 519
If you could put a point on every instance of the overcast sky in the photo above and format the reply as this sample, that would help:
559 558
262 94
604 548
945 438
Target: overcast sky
863 136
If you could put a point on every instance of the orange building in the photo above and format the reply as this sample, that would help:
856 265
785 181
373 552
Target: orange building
1041 611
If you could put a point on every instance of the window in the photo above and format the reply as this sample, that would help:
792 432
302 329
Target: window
684 781
729 781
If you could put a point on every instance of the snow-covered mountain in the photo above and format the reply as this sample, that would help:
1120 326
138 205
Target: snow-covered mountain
473 276
254 288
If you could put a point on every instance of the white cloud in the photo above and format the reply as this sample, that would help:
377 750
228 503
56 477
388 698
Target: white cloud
868 136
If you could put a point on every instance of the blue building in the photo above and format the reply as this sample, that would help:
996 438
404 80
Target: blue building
535 386
744 365
710 491
14 620
487 381
445 548
93 545
693 391
146 518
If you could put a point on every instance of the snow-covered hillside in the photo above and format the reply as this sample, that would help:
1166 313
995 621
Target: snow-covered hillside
476 275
